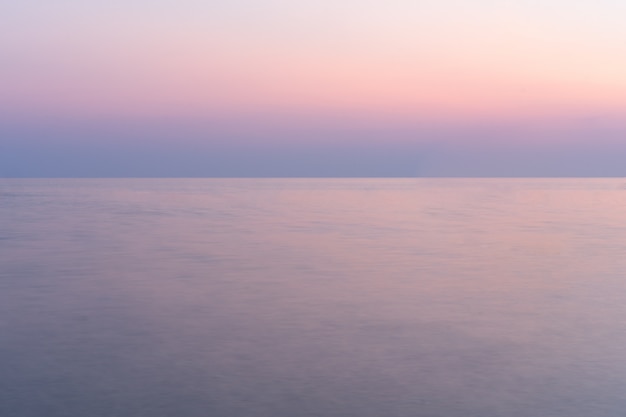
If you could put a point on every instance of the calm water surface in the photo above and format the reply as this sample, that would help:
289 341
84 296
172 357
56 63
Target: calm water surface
313 297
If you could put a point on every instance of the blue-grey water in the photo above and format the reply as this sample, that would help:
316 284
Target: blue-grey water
313 297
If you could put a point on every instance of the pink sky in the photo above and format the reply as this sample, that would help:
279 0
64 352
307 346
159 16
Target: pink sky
280 67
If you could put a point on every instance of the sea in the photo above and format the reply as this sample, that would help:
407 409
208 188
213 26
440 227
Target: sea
416 297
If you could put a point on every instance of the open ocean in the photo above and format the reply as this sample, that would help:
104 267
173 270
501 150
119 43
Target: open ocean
312 297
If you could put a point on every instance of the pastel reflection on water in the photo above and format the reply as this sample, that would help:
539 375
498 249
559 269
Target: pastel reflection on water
307 297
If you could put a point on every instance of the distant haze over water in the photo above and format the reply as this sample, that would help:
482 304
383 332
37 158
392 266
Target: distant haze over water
312 297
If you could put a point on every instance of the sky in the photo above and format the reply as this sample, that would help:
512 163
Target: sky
277 88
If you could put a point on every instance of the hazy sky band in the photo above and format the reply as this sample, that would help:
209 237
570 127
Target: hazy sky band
267 73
